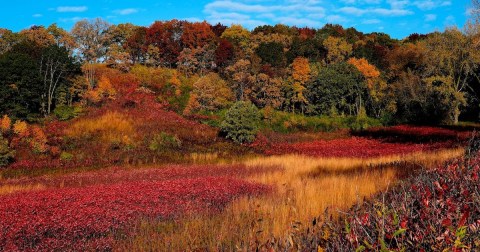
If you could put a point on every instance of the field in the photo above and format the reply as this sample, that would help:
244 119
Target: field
245 202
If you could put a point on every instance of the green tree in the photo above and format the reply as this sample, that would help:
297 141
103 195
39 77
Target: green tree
6 154
271 53
20 88
340 87
241 122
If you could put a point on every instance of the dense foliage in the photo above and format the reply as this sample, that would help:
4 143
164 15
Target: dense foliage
197 66
90 217
241 122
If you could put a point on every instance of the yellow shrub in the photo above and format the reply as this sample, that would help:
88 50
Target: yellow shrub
112 128
5 123
20 128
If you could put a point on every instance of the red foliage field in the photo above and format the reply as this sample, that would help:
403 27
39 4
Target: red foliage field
353 147
119 175
88 217
374 142
408 133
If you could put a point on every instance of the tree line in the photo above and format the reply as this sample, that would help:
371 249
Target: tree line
335 71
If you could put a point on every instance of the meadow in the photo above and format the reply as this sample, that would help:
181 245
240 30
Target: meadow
263 197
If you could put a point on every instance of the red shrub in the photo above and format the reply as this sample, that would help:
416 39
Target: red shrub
352 147
86 218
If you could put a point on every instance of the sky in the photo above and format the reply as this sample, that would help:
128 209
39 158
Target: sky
399 18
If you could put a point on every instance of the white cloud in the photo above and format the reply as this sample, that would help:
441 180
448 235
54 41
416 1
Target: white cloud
72 8
259 12
375 11
371 21
430 17
126 11
38 15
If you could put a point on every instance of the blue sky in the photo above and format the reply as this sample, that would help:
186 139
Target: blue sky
398 18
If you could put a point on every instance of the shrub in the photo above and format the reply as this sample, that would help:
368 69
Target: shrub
6 154
20 128
241 122
65 156
38 140
5 124
163 141
64 113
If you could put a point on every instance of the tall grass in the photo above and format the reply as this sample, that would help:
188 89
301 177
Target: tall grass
111 127
8 189
304 189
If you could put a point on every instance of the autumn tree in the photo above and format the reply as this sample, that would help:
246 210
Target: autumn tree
117 55
452 61
379 97
224 53
266 91
241 74
62 38
7 40
38 35
164 42
239 37
103 90
210 93
196 60
91 37
338 49
136 46
301 75
218 29
197 35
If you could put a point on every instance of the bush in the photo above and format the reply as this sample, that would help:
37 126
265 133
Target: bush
64 113
241 122
6 154
65 156
285 122
163 141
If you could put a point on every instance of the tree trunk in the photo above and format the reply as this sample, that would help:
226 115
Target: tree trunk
456 115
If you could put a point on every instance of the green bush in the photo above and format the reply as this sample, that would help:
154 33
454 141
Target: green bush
241 122
6 154
163 141
64 113
65 156
285 122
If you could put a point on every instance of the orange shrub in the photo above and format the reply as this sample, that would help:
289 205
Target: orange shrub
5 123
38 142
103 90
20 128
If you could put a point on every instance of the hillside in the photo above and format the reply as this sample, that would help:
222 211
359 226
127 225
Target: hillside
189 136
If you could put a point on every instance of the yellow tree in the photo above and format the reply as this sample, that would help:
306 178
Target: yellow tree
301 75
209 93
452 60
377 87
338 49
239 37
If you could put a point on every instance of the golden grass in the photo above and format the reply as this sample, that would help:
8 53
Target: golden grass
8 189
111 127
303 190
